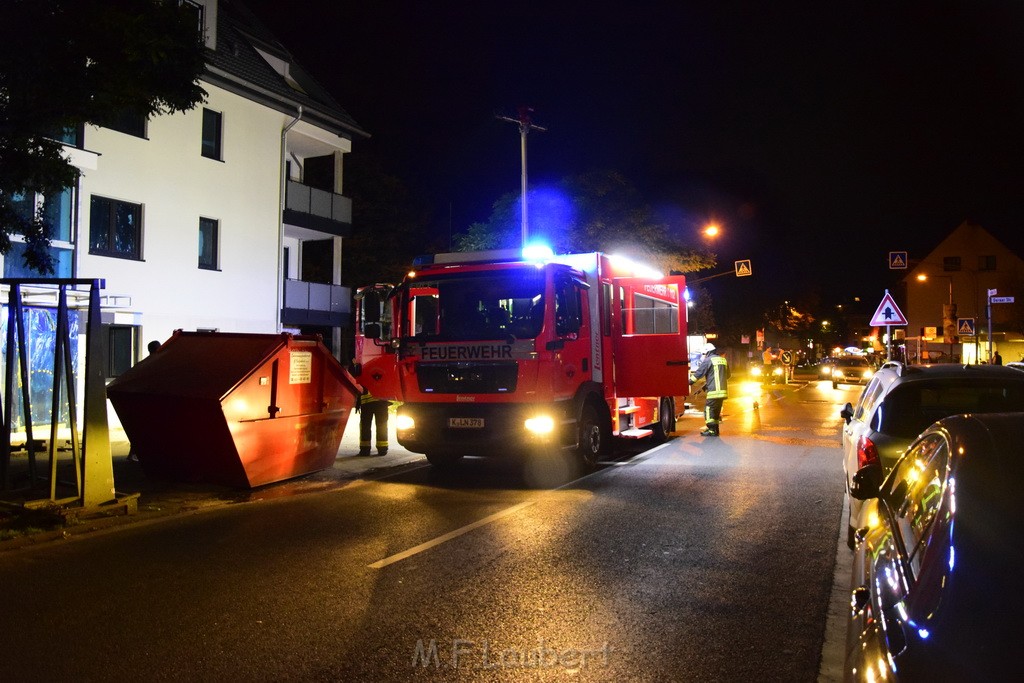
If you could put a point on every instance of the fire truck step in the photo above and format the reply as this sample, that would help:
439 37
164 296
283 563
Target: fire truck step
628 410
635 433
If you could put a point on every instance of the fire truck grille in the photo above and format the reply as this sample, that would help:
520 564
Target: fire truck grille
467 378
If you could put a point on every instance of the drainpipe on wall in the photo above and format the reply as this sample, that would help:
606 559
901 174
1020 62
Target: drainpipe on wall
280 217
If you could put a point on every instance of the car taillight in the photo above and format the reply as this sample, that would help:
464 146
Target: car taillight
867 454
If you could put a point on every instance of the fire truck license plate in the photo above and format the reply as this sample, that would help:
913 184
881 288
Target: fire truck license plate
466 422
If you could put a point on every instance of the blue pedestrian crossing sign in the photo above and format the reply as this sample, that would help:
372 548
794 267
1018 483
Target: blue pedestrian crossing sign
887 313
897 260
965 327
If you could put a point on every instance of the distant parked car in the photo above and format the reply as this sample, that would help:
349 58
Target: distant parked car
1016 365
903 400
851 370
938 563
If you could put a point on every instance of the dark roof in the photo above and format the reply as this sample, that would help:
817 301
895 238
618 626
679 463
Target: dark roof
236 66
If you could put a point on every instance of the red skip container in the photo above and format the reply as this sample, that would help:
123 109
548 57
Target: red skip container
241 410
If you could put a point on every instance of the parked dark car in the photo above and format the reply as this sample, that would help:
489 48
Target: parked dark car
938 563
903 400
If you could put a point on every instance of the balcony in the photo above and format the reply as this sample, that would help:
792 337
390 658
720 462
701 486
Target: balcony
313 303
319 210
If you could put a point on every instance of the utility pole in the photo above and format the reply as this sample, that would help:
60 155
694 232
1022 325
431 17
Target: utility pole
525 126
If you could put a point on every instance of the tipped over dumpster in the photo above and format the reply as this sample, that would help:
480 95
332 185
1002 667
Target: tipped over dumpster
242 410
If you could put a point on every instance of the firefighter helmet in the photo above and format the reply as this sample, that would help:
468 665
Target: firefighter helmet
707 348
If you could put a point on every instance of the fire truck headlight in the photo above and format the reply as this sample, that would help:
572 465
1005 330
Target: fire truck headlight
404 422
756 371
542 424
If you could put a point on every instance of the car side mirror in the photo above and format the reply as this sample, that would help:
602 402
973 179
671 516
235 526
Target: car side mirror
847 412
867 482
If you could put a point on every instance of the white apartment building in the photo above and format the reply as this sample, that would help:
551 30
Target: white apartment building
210 219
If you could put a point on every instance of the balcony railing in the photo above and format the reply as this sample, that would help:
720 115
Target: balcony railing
313 303
304 199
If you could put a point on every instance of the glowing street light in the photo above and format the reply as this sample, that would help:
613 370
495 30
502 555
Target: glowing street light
711 230
949 312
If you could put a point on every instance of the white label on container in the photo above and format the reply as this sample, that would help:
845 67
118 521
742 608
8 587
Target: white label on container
301 367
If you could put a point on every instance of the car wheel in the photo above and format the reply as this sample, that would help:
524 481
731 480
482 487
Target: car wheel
666 420
593 438
443 461
850 536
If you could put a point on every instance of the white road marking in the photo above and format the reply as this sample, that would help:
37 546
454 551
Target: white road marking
444 538
398 557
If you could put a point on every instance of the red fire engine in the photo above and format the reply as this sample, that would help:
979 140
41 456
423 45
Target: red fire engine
490 352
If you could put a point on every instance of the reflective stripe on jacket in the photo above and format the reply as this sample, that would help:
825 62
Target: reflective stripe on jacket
715 371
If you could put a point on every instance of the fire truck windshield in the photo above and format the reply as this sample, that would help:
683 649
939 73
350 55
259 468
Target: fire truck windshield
477 306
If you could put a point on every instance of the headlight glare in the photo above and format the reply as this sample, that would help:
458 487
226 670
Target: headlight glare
541 424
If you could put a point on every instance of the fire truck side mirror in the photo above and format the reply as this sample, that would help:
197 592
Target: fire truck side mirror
370 308
372 330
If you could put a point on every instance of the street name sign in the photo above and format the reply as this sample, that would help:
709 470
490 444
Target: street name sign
1002 299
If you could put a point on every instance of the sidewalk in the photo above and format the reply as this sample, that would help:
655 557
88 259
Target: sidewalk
156 498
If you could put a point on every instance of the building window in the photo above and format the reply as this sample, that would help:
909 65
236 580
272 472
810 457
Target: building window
198 11
987 262
55 211
209 233
950 263
122 342
127 123
115 228
212 134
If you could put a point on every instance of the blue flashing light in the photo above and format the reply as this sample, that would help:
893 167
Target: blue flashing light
686 294
537 252
423 260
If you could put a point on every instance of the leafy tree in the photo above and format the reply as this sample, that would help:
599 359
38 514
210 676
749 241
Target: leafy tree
389 224
65 63
786 317
597 211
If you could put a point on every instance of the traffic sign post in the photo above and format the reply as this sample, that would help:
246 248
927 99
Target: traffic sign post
993 299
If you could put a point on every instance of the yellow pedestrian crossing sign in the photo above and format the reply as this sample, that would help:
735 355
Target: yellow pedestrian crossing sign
743 268
897 260
965 327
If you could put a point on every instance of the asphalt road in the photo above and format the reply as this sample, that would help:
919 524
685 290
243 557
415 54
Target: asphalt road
700 559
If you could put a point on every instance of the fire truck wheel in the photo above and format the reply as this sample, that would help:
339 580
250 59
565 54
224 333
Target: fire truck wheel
594 438
443 460
666 423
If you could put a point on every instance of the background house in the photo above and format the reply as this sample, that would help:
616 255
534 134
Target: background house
950 286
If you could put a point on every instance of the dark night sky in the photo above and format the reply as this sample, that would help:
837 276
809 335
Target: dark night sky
822 135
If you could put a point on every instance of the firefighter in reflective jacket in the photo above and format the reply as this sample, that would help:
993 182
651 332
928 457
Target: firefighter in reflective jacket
714 370
372 409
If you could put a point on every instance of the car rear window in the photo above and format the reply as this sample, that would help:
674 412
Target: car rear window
910 408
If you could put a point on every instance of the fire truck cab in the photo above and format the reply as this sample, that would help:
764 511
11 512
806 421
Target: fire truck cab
491 352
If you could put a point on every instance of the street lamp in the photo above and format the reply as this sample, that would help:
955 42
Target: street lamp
711 230
949 317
